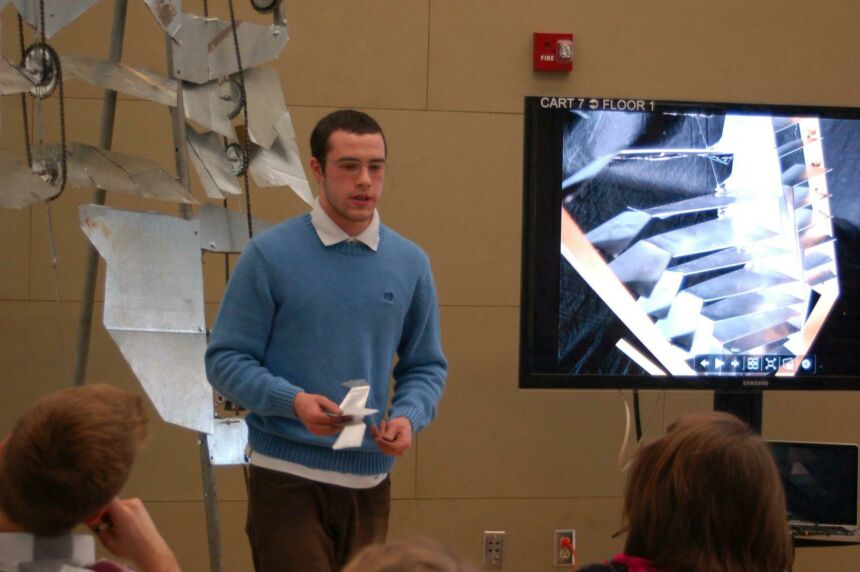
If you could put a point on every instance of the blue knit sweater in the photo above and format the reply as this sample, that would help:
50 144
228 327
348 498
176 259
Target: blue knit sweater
300 316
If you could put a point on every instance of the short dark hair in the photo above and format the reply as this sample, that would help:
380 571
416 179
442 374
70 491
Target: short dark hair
707 497
68 455
349 120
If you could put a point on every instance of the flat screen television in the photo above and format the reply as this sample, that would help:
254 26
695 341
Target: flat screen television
690 245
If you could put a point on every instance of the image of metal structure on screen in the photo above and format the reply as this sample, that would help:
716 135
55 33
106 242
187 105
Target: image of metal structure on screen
695 244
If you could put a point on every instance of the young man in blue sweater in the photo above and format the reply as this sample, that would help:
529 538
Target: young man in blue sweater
318 300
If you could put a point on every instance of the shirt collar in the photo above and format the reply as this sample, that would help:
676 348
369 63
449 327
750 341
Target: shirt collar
330 234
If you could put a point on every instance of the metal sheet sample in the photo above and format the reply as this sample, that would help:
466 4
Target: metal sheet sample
266 102
203 48
167 13
58 13
616 234
227 445
709 236
120 77
738 282
19 186
640 267
91 167
154 306
12 79
170 369
224 230
696 204
206 151
205 106
278 167
281 165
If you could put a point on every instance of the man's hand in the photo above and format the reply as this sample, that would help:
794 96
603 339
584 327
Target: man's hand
393 437
319 414
132 535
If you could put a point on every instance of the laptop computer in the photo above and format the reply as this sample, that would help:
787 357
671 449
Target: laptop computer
820 482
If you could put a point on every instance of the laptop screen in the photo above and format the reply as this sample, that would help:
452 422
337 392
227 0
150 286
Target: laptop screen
820 481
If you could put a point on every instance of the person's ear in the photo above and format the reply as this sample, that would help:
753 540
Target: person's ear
98 521
317 169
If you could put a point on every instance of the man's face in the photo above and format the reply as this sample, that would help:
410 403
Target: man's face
351 178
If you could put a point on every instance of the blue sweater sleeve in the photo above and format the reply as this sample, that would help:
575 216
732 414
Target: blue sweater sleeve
419 376
238 342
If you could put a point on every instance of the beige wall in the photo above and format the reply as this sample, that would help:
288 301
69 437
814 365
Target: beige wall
446 78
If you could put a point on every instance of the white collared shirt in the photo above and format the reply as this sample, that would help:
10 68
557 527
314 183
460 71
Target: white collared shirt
329 233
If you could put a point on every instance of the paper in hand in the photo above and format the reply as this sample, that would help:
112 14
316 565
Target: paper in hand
353 407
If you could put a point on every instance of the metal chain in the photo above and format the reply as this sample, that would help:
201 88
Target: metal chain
46 52
246 150
24 96
63 153
42 20
63 162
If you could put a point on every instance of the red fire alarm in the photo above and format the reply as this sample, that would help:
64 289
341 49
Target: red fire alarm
553 52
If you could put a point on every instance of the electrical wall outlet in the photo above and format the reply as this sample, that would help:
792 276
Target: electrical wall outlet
564 548
494 549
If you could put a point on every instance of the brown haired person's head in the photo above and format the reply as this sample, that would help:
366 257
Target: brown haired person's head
68 455
707 497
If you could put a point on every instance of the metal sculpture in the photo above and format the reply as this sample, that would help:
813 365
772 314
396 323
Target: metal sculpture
154 285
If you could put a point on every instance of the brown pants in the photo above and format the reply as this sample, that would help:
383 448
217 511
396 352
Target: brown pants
299 525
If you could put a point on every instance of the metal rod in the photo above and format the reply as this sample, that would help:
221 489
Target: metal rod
85 319
210 505
210 492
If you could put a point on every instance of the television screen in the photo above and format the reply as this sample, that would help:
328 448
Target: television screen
690 245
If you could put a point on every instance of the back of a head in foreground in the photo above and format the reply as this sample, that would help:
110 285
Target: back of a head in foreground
706 497
68 455
408 555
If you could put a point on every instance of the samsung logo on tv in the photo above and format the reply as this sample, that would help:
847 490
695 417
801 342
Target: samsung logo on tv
756 383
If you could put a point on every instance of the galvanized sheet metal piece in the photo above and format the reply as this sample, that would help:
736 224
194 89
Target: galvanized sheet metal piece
224 230
227 445
156 278
58 13
206 151
203 48
266 100
167 13
278 167
205 106
171 370
120 77
91 167
19 187
282 164
12 79
154 306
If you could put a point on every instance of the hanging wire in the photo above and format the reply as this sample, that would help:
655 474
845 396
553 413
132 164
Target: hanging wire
57 297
